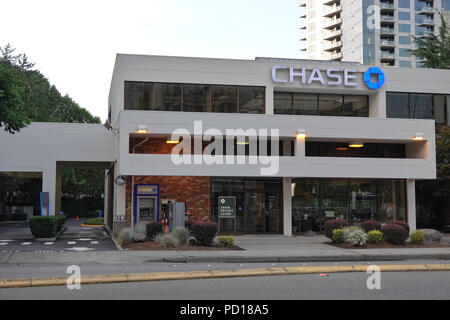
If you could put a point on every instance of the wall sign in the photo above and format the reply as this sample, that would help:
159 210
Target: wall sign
378 74
329 77
227 207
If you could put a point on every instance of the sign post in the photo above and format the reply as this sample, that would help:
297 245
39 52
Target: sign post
227 210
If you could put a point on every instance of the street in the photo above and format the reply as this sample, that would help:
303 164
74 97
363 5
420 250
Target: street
394 285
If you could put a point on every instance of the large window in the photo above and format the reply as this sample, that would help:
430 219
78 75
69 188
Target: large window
321 104
193 97
369 150
417 106
315 201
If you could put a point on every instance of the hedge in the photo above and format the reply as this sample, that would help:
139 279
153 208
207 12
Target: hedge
394 233
204 232
330 225
44 226
370 225
152 230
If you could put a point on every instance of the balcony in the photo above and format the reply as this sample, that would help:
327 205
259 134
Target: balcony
387 43
336 56
332 45
425 34
332 10
425 22
331 35
387 55
390 31
330 2
332 23
387 19
386 7
303 3
427 10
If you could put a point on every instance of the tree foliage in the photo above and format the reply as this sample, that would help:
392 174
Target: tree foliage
434 50
26 95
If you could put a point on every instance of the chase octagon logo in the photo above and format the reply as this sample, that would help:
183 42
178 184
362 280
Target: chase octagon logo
378 74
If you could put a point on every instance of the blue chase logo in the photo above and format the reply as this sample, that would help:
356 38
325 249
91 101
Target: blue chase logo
378 74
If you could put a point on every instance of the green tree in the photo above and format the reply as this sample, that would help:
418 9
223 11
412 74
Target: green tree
434 50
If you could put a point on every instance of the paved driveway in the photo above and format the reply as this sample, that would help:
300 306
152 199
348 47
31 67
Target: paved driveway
18 238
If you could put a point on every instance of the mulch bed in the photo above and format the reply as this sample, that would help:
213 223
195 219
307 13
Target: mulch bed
148 246
386 245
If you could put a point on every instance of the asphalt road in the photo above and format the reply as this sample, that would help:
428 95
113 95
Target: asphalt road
394 285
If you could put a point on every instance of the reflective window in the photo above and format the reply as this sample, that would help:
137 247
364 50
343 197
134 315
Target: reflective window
404 39
195 98
421 106
404 27
405 4
251 100
138 95
440 107
397 105
330 105
356 106
305 104
405 63
404 16
404 52
167 96
282 103
223 99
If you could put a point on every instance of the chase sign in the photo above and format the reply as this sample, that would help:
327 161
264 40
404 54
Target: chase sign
376 73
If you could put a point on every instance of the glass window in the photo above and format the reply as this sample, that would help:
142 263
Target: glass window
251 100
335 199
404 40
282 102
405 4
356 106
405 63
167 96
138 95
439 101
330 105
391 200
404 27
404 52
421 106
363 200
195 98
397 105
223 99
305 205
305 104
404 16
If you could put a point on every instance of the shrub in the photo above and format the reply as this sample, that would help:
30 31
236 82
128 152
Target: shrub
375 236
188 225
61 220
402 224
168 240
152 230
394 233
338 236
417 237
182 235
204 232
354 236
226 241
95 221
126 235
44 226
370 225
330 225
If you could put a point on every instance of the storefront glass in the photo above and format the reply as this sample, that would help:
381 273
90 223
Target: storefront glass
315 201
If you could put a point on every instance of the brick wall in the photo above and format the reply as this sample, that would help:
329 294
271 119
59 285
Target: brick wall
194 191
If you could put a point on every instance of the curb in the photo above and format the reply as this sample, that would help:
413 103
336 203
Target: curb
113 238
205 274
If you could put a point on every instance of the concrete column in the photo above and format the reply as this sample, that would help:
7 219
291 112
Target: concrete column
411 205
300 147
105 200
58 189
377 104
49 184
269 100
287 207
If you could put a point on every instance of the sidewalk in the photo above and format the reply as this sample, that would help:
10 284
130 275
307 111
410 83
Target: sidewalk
257 249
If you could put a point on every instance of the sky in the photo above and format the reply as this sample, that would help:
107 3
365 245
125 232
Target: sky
74 43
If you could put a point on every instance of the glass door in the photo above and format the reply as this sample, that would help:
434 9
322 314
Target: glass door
254 212
272 212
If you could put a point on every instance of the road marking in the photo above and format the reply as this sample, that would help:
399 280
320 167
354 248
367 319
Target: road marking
84 239
6 240
79 249
94 242
71 242
25 243
3 243
48 243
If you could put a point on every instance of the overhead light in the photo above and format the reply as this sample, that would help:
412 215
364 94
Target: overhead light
356 144
142 129
241 142
301 133
342 148
172 141
418 136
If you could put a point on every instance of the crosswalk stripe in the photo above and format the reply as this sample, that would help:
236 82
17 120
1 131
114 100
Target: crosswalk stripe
94 242
25 243
71 242
48 243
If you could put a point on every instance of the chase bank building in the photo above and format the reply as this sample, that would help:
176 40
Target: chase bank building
285 144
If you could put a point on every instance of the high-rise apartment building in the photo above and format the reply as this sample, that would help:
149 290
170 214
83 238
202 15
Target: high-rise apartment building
372 32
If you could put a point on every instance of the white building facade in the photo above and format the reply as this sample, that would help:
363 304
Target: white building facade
344 141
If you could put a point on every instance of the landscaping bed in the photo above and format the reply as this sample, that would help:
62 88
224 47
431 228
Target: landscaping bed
387 245
149 245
